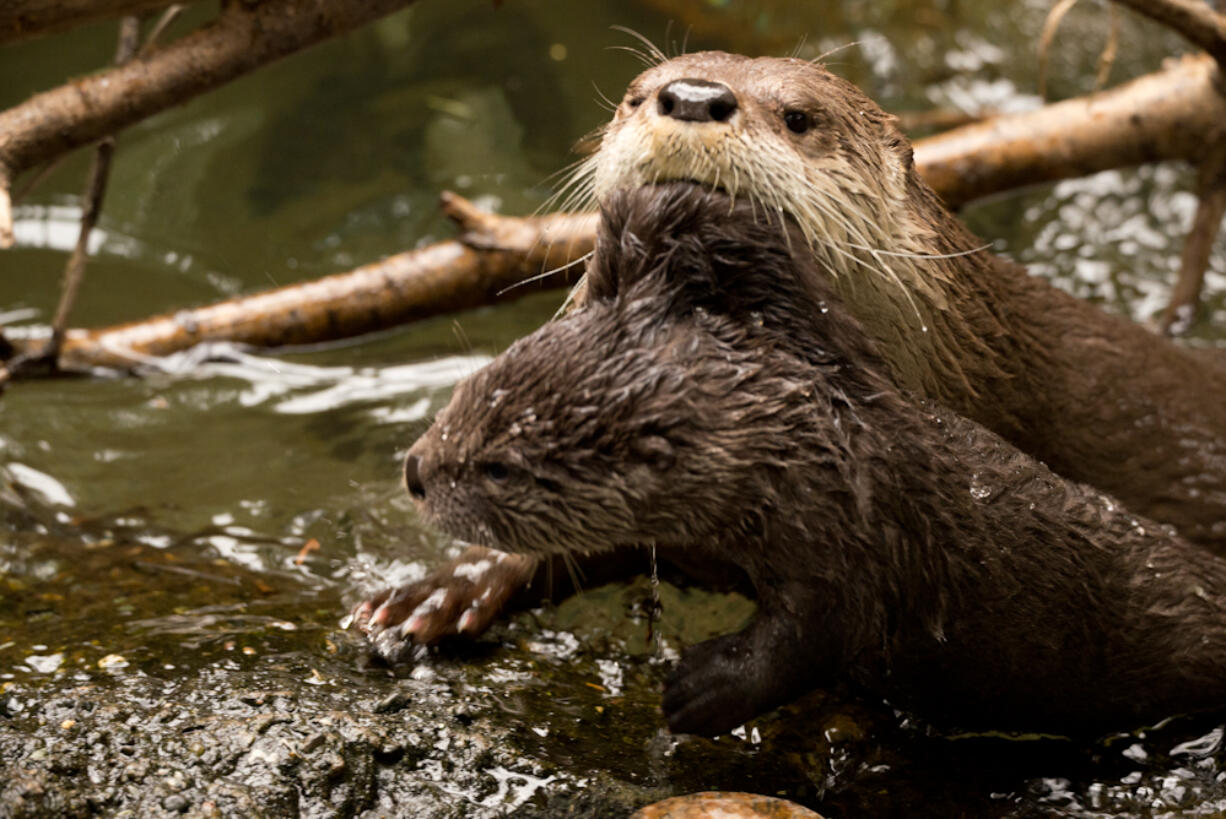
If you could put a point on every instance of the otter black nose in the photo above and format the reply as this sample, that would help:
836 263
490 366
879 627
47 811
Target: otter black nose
412 478
697 101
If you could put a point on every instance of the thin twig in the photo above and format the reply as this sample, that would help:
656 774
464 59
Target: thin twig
1211 206
1107 59
6 208
1050 26
74 272
159 28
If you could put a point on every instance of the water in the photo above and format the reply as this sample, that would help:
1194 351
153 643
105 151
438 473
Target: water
168 521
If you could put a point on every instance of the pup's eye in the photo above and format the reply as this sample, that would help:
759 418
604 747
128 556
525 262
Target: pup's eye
797 121
635 102
496 472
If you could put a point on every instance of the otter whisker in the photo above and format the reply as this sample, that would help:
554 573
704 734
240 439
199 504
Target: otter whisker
639 55
462 337
573 569
547 273
578 197
905 254
580 286
608 104
795 53
576 193
818 59
655 50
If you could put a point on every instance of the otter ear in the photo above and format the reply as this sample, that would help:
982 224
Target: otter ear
654 450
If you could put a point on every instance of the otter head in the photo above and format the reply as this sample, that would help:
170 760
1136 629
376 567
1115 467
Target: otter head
656 413
768 127
796 140
585 435
783 132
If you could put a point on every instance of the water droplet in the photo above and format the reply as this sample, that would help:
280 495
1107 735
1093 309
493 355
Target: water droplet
979 491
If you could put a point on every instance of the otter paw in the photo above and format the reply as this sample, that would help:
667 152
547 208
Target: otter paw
463 597
708 692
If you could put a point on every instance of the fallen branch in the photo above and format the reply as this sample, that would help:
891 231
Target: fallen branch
244 37
487 264
1170 114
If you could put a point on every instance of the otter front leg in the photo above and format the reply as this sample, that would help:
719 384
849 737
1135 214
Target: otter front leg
462 597
721 683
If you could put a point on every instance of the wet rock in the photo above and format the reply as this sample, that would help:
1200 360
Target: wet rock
175 803
725 805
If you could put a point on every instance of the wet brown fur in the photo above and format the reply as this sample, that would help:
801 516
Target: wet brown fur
1097 398
714 397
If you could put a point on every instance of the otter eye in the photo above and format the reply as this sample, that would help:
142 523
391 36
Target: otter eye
797 121
496 472
635 102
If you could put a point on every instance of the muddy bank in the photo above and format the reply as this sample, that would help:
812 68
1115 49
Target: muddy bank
216 691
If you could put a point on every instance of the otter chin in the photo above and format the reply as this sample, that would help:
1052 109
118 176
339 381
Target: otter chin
715 398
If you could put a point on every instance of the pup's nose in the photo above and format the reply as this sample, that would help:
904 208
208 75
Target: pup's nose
412 476
697 101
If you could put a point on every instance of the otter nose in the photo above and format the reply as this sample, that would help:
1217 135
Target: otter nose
412 476
697 101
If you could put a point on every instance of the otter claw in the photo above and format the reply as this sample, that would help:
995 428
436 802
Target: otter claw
462 597
468 620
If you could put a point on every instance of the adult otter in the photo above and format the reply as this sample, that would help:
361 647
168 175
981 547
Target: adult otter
714 397
1095 397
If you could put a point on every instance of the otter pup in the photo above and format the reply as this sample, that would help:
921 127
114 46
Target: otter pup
1096 398
714 397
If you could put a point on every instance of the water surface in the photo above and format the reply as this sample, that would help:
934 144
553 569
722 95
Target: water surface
219 518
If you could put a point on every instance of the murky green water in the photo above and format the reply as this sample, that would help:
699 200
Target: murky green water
161 520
